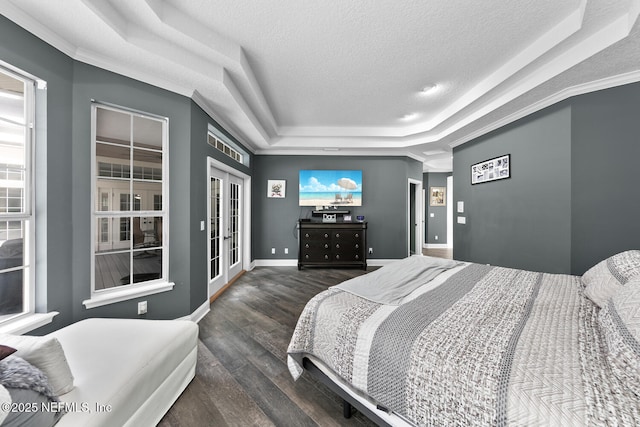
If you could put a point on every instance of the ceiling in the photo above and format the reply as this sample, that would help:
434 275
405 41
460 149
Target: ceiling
339 77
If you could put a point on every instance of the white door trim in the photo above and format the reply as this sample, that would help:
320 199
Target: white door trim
419 209
246 212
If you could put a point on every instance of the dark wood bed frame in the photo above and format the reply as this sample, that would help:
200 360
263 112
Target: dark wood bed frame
348 402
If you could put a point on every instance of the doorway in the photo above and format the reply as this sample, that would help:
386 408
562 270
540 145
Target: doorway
228 225
450 212
414 214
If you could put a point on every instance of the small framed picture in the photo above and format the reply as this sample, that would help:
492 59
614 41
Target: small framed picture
437 196
276 188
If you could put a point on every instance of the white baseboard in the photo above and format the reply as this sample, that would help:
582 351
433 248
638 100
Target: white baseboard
436 246
294 262
200 312
275 262
379 262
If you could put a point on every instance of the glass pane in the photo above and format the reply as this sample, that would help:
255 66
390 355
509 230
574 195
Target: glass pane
112 234
234 223
124 202
10 230
146 194
103 230
147 232
11 253
147 133
11 293
147 265
113 126
125 229
215 226
147 165
113 160
112 270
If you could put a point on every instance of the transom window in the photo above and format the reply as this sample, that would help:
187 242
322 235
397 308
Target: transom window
17 222
226 148
130 192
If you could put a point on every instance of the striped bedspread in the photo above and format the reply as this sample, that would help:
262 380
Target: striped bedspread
487 346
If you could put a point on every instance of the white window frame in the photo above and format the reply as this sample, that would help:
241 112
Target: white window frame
133 290
29 318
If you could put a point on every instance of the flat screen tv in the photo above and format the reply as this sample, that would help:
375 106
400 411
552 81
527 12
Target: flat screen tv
330 188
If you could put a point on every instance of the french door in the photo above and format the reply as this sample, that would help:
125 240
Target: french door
226 214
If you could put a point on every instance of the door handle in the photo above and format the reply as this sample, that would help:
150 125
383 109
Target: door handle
226 237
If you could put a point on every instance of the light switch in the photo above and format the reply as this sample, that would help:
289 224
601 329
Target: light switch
462 220
432 215
460 207
201 225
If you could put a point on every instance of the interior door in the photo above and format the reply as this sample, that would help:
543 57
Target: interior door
225 228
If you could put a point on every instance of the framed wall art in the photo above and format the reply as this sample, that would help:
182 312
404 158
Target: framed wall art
276 188
437 196
491 170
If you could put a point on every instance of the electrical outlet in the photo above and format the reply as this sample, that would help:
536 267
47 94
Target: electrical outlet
273 251
286 250
370 251
436 237
142 307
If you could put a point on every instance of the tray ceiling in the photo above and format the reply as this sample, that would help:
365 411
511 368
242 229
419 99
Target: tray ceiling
409 78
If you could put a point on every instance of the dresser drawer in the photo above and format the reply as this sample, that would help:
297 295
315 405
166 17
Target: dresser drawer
316 256
306 235
332 245
312 245
347 235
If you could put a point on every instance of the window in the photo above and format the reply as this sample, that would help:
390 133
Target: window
227 148
129 204
17 221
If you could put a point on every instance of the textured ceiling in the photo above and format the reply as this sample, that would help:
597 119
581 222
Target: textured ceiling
304 77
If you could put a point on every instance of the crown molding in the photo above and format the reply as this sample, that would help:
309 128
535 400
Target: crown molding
593 86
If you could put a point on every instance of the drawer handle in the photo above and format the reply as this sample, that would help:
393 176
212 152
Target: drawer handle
357 235
326 235
306 256
337 234
326 257
306 245
357 246
337 245
357 256
337 256
326 246
306 235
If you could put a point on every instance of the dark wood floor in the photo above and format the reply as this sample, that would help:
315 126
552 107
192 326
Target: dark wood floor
241 374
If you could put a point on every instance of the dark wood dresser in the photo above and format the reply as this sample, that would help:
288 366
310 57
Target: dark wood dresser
338 244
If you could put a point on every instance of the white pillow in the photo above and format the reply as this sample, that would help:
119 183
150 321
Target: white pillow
5 399
46 354
607 277
619 321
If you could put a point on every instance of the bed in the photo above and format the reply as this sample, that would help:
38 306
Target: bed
428 341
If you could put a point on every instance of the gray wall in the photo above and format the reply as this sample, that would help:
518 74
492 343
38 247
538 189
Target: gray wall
103 86
384 202
605 175
523 221
64 182
573 198
436 225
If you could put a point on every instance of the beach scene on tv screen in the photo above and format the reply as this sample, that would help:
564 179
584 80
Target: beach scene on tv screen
330 188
